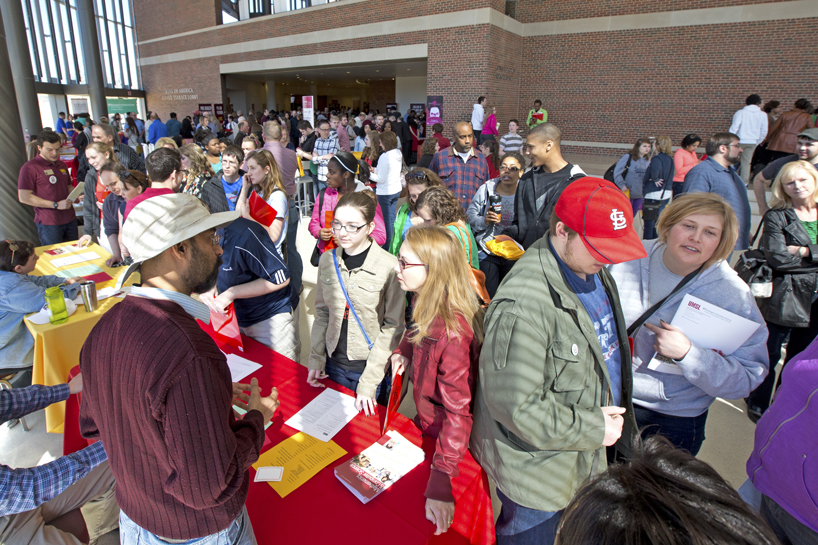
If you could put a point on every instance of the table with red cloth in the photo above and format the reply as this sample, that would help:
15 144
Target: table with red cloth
322 510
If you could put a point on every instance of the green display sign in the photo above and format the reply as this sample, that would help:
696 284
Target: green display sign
121 105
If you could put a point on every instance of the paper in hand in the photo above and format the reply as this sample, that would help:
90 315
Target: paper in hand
77 191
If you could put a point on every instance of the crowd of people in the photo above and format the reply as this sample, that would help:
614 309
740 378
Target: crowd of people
512 289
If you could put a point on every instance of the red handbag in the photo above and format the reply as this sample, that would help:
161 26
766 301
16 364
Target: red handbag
261 211
226 328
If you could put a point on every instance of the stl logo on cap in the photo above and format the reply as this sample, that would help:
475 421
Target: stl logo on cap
619 220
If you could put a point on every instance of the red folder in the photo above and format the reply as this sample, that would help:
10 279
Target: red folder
226 327
394 402
261 211
537 116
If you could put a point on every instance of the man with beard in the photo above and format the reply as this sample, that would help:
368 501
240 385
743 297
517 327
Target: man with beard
157 389
714 175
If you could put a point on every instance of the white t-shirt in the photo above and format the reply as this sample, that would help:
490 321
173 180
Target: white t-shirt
278 200
465 155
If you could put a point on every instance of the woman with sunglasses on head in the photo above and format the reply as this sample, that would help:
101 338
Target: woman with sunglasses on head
197 169
440 355
358 307
341 171
22 293
487 224
417 181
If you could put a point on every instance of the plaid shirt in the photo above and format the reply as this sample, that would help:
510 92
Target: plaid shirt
325 147
461 178
24 489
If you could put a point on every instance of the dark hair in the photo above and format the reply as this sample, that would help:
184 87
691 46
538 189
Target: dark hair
225 141
512 120
21 254
161 163
480 99
129 121
428 147
437 127
662 495
803 104
61 114
347 162
134 178
304 125
753 99
717 140
443 205
363 202
423 176
538 101
78 126
48 136
494 152
321 122
771 105
235 152
173 115
691 138
517 156
389 140
635 149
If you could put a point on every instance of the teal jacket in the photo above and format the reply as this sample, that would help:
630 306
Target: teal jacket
538 428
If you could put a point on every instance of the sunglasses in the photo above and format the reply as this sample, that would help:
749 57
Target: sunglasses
403 264
416 174
13 247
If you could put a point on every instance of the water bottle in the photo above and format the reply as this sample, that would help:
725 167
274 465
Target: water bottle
496 205
57 312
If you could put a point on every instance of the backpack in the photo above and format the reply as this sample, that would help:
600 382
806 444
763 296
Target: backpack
609 174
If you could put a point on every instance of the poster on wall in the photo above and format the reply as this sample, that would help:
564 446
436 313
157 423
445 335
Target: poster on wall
79 106
121 105
206 109
218 109
434 110
308 110
391 106
418 107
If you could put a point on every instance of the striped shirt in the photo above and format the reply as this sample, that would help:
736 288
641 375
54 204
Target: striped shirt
511 142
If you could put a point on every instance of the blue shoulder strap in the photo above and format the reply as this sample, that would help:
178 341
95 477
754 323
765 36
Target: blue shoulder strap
369 343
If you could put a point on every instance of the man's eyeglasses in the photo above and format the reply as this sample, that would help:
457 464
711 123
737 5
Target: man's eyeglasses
510 169
13 247
403 264
215 239
350 229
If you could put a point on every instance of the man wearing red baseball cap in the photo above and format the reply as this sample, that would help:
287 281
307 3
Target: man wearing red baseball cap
555 369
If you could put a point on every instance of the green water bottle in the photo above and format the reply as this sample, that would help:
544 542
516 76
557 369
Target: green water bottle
57 312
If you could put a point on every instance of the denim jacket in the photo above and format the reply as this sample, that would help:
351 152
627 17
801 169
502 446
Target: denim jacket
20 295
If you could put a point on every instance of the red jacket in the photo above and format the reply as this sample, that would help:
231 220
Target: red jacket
443 370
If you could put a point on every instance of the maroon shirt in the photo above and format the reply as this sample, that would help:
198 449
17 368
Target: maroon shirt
49 181
287 164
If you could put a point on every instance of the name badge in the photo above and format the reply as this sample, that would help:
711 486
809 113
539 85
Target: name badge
48 171
52 179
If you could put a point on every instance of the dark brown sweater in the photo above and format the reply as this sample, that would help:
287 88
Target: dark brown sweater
157 390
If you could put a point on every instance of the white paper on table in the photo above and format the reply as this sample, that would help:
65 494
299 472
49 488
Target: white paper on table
240 367
325 415
707 326
79 190
74 259
105 293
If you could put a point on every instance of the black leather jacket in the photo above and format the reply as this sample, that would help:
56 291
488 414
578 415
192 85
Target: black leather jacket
795 277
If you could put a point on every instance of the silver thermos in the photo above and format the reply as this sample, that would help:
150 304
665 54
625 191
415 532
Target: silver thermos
88 290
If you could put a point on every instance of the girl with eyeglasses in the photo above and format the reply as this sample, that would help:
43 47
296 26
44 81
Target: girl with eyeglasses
440 354
417 181
358 307
487 224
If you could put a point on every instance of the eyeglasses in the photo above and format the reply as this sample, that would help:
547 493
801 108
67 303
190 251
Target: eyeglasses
350 229
124 174
215 239
510 169
403 264
13 247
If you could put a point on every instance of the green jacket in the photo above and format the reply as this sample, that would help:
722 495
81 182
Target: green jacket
538 429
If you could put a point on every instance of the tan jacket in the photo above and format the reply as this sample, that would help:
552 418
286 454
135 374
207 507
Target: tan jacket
379 301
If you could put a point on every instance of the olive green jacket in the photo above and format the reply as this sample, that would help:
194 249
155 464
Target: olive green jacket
538 428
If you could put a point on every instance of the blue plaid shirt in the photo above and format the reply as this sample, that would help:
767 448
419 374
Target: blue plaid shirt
461 178
325 147
24 489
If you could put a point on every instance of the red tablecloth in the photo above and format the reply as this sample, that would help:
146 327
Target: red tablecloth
323 510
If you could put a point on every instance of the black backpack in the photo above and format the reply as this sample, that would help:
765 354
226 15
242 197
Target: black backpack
609 174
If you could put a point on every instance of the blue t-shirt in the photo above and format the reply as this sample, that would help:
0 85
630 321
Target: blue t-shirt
249 254
232 191
594 298
60 125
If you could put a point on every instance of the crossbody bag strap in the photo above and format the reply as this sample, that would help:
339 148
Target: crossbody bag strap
466 241
758 230
369 343
648 313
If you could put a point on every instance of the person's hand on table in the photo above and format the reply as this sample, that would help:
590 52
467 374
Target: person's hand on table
240 398
74 280
365 404
440 513
265 405
314 376
114 261
75 385
84 240
399 364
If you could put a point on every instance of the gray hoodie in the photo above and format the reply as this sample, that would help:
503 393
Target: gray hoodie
706 374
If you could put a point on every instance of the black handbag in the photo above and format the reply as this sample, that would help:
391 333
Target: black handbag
650 208
753 269
315 258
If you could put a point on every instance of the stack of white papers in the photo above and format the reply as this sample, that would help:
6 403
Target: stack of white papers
240 367
325 415
74 259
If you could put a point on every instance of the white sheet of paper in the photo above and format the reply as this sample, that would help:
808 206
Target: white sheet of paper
39 318
240 367
707 326
105 293
77 191
325 415
74 259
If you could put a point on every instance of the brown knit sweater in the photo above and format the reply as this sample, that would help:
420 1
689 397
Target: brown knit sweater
157 391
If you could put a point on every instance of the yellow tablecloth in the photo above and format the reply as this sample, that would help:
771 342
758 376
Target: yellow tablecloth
57 347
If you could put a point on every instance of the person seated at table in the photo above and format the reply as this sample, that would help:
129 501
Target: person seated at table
129 184
165 173
32 498
418 180
98 155
440 353
22 293
438 206
341 172
353 349
157 388
264 177
256 280
661 495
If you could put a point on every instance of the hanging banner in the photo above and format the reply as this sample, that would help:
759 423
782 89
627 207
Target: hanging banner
79 106
121 105
205 109
434 110
218 109
307 109
418 107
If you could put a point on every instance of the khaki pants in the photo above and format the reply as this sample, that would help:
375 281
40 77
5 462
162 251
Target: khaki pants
747 151
93 495
279 333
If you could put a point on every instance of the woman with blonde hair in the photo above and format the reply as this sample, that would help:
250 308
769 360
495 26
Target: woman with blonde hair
673 391
789 241
98 155
440 353
166 142
657 187
264 177
197 167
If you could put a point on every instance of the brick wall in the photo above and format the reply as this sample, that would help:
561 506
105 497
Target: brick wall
199 76
381 92
158 18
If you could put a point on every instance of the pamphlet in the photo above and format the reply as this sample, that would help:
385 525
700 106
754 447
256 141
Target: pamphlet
240 367
707 326
378 467
77 191
325 415
74 259
84 270
302 457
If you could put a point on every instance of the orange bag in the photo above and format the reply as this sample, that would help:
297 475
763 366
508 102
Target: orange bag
477 278
226 328
261 211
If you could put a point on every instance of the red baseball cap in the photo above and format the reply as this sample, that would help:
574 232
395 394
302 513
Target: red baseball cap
603 217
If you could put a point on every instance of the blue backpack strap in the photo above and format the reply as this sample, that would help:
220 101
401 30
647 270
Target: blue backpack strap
369 343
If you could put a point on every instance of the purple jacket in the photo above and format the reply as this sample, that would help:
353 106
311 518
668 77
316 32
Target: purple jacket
784 462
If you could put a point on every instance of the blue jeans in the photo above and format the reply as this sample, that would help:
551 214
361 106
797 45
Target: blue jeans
788 529
55 234
495 268
349 379
686 433
294 263
239 532
518 525
388 209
